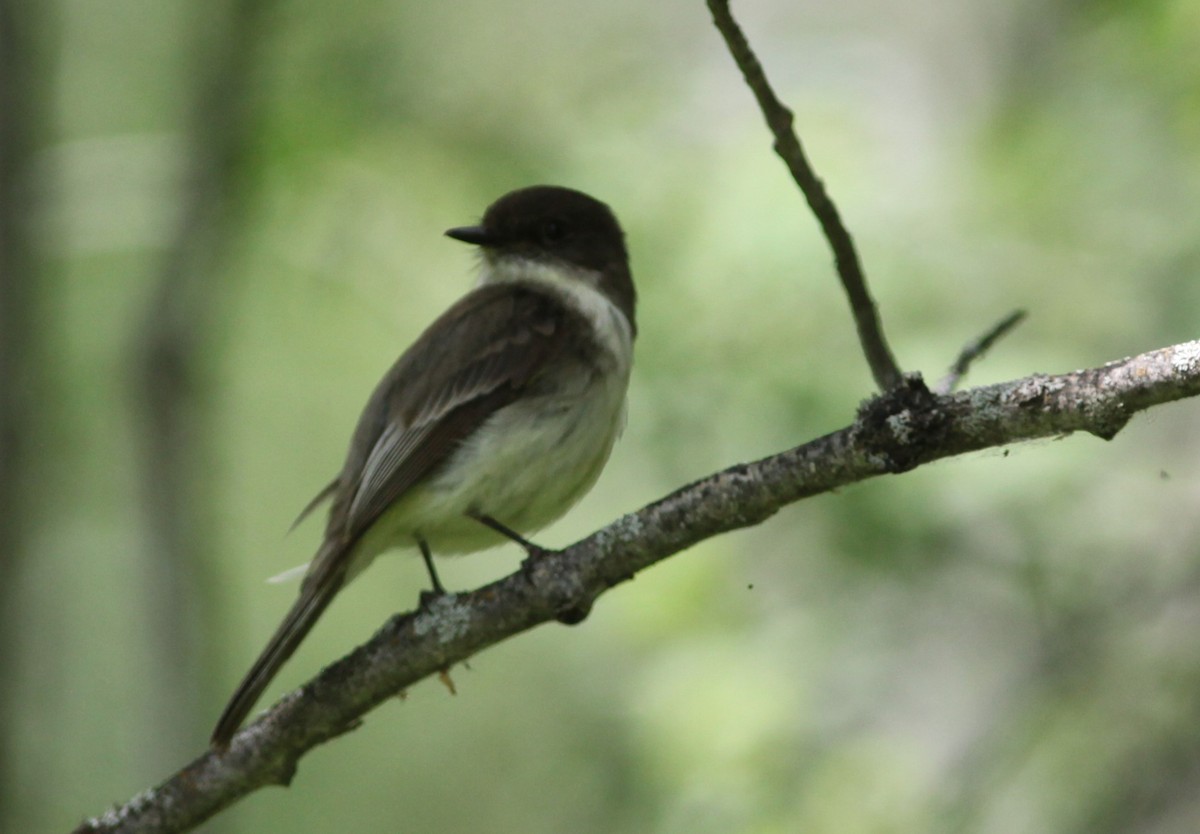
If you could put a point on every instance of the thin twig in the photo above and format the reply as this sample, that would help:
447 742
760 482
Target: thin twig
974 350
893 433
779 118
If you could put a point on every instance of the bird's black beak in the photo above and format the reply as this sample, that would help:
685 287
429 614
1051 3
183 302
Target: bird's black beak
477 235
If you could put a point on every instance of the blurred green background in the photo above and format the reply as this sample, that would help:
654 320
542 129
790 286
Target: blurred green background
223 222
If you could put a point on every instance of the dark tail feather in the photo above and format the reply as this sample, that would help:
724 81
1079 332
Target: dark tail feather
319 588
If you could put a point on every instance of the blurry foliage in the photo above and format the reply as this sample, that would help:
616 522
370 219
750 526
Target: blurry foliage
1004 643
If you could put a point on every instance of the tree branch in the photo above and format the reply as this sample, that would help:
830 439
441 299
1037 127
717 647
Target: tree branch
976 349
895 432
787 145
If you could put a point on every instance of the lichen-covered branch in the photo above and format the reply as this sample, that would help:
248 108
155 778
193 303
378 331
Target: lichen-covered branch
904 428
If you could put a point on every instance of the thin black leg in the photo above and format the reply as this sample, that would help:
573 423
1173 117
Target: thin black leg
427 556
429 596
568 616
532 549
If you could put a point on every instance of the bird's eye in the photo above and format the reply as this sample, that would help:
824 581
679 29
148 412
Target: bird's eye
551 231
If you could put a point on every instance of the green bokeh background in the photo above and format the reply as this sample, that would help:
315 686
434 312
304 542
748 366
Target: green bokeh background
1005 643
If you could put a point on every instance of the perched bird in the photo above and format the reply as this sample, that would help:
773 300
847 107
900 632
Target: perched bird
496 420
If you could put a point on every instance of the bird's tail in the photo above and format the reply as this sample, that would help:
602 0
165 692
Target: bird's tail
324 580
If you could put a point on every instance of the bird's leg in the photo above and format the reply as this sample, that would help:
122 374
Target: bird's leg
533 550
438 589
568 616
428 597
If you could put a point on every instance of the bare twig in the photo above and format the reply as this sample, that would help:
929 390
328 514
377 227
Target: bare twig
893 433
976 349
779 119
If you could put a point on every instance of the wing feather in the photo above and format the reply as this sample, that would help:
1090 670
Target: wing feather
481 355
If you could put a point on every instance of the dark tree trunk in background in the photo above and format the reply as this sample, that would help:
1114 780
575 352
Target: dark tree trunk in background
175 353
21 125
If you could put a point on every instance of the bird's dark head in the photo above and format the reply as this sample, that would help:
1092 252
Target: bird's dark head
546 225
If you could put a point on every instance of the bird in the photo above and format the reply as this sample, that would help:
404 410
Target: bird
493 423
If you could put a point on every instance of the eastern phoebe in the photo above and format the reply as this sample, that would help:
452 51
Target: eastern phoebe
496 420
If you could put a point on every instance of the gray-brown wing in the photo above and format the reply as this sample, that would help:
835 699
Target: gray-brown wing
477 358
474 360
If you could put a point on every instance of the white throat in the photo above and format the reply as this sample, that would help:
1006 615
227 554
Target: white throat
578 289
